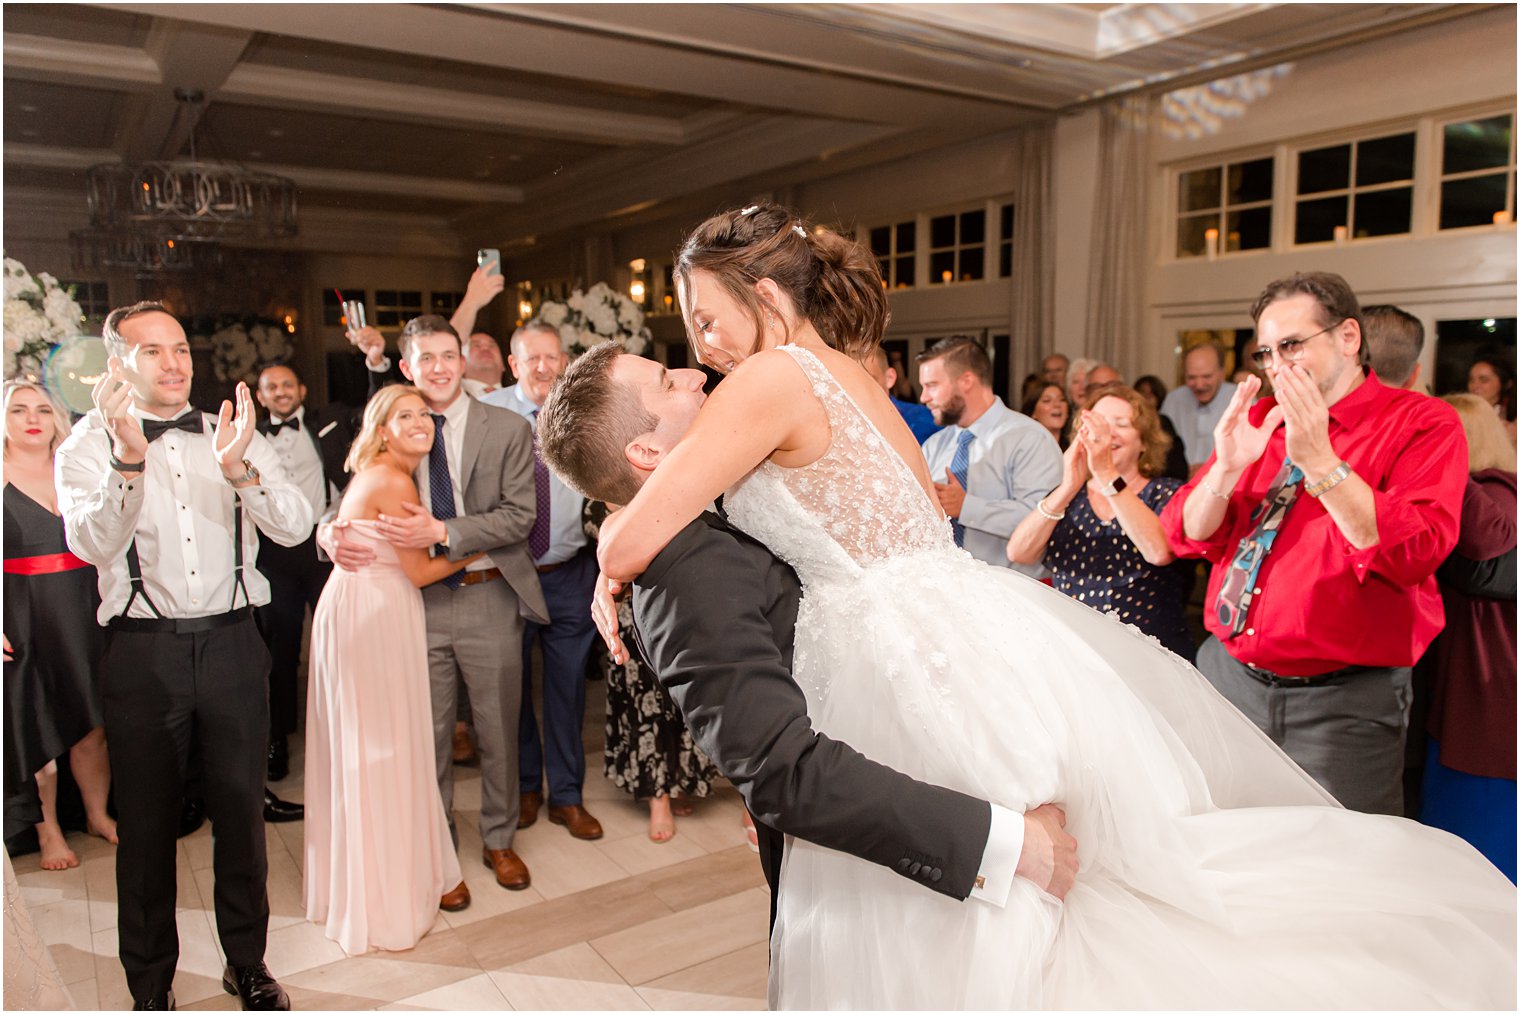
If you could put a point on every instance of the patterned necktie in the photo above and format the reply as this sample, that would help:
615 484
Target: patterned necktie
441 488
1239 585
538 536
959 466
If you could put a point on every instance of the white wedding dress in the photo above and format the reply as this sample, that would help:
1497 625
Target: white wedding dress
1214 872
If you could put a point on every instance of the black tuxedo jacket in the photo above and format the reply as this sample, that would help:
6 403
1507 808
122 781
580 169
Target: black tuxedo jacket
716 614
331 431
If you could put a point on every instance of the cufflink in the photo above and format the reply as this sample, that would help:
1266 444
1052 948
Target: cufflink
981 881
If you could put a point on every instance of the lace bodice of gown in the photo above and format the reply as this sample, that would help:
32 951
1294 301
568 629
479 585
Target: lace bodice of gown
856 506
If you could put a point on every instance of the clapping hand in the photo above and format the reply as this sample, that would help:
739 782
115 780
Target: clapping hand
1307 418
112 397
369 341
1096 434
234 432
1074 471
1237 444
604 613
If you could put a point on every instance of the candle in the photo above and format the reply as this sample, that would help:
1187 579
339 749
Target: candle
1340 234
1501 218
1211 243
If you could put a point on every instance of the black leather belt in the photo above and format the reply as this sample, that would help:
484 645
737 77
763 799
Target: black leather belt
193 625
1271 679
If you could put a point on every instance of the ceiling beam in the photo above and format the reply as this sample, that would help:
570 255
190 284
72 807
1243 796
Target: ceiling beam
66 61
155 124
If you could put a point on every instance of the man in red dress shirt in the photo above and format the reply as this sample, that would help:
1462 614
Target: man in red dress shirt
1325 511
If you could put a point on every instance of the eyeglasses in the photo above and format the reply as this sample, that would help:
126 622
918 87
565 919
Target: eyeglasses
1289 351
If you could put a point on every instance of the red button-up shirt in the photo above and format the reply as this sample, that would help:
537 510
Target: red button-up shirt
1321 604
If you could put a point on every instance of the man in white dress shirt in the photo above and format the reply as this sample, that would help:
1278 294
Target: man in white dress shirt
169 512
1196 408
567 573
990 464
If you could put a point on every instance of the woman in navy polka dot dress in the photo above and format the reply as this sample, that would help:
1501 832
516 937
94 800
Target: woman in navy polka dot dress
1100 532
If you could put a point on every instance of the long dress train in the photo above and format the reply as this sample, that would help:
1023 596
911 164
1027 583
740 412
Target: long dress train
378 850
1214 872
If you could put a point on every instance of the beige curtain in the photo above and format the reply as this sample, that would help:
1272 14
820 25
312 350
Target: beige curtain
1116 273
1034 277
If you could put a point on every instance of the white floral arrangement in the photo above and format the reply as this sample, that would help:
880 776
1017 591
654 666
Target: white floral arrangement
594 316
39 313
240 348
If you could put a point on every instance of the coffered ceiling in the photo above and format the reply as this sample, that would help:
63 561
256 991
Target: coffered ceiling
513 121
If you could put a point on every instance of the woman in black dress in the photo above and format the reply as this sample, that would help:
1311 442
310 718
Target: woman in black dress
52 639
1100 531
649 751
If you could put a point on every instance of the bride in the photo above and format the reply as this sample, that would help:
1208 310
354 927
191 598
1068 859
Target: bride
1215 873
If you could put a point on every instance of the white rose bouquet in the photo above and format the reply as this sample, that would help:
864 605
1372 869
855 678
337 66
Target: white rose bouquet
594 316
39 313
241 347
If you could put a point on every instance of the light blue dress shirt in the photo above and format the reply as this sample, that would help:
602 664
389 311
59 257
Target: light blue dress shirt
566 536
1195 423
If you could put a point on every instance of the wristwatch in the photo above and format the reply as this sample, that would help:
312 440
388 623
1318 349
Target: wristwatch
251 475
1114 488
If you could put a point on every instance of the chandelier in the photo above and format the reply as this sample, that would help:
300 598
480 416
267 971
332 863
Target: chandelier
160 216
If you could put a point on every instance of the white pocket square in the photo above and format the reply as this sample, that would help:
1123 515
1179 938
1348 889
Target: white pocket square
327 429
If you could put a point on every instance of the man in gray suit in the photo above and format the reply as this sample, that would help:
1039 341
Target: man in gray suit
477 496
716 614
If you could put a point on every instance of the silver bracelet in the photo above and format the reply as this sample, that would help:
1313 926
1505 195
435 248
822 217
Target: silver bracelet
1204 482
1337 475
1047 515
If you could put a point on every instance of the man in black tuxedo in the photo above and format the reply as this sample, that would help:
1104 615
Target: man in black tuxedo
716 615
312 445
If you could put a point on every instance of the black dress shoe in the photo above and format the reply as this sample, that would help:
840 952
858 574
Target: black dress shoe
256 988
279 759
191 816
278 811
164 1001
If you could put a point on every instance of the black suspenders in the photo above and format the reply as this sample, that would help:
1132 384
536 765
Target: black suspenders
134 566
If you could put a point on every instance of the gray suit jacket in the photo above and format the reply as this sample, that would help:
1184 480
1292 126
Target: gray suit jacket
496 474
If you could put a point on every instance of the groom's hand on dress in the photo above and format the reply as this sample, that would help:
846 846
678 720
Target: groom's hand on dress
1049 857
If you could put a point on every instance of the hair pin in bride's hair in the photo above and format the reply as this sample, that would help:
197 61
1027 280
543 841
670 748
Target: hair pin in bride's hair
745 212
799 230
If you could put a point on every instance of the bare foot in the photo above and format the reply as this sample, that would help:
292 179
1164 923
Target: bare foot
102 827
56 854
662 825
681 805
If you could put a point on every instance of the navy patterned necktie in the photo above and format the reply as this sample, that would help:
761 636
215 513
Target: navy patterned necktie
538 535
441 487
959 466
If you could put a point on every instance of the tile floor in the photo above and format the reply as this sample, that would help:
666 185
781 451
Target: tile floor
616 924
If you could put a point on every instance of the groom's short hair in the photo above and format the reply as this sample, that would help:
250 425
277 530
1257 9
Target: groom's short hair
586 423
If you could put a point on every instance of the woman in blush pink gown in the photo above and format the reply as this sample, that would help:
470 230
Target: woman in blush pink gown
378 851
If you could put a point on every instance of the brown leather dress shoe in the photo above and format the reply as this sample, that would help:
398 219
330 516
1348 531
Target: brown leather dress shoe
464 750
577 821
511 872
456 900
527 809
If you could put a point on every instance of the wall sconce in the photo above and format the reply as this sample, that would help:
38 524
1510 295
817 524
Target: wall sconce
638 285
636 291
290 323
1211 243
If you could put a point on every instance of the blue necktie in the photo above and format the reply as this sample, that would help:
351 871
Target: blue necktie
441 488
959 466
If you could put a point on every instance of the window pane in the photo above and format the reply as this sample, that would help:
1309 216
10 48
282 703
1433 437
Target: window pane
1383 212
1385 160
881 240
1190 241
1471 201
1198 189
972 264
1316 220
1249 181
1250 229
942 231
1005 261
1324 169
942 267
1007 221
1475 144
906 237
973 227
904 277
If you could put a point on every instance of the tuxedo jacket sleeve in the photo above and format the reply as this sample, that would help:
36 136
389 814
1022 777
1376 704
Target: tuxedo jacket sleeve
716 614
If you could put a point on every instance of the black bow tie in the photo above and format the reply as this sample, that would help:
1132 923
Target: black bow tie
289 424
190 422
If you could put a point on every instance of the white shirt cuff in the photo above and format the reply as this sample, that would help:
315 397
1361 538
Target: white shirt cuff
384 367
1005 843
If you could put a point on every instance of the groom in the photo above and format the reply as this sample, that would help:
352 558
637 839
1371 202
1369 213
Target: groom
716 614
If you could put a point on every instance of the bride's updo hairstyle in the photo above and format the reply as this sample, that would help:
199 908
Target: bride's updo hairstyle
832 281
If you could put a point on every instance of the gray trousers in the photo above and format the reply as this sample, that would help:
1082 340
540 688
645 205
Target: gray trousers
1347 732
474 634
